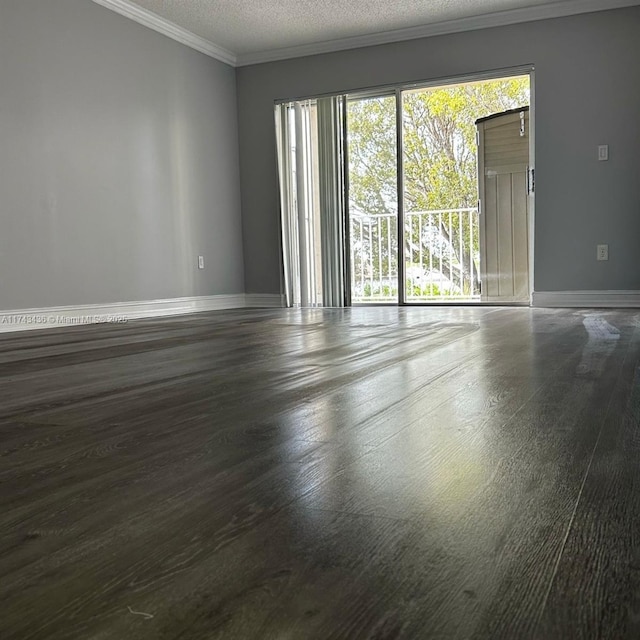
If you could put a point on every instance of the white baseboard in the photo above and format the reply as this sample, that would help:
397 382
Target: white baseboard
120 312
264 300
586 299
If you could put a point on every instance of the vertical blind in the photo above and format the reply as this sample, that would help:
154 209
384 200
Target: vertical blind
312 202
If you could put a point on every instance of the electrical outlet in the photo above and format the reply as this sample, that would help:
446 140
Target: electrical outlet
200 262
603 252
603 152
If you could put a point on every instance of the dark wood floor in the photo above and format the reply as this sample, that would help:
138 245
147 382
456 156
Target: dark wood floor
327 474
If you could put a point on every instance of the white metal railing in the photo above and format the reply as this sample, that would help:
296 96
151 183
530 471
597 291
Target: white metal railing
441 250
374 258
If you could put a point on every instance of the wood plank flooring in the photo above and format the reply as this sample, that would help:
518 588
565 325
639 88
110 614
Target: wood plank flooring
323 474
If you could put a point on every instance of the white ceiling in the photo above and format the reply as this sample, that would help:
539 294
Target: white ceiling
256 30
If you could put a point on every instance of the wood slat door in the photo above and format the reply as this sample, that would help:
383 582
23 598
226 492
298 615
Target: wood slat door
503 159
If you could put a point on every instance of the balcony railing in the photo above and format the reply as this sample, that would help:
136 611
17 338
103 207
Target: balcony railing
441 251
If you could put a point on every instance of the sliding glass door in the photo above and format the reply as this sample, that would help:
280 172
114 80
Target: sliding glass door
381 195
435 176
443 230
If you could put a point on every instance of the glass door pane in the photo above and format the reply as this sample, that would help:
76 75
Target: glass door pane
440 184
373 199
440 197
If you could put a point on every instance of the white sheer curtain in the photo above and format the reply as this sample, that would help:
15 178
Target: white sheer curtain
310 166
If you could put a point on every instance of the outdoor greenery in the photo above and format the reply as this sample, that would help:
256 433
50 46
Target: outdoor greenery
440 173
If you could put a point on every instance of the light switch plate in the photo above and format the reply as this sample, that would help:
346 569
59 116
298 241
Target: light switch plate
603 152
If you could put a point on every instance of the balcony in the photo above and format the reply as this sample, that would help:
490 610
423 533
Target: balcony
441 251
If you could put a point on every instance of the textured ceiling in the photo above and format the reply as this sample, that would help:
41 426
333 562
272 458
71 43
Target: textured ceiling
250 26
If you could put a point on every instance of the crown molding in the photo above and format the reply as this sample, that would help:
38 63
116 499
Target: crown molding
169 29
498 19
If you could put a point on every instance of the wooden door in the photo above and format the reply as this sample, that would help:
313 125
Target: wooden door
503 164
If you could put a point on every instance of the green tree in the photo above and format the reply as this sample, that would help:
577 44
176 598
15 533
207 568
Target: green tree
440 173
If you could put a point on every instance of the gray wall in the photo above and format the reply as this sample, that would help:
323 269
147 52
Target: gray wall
118 161
587 93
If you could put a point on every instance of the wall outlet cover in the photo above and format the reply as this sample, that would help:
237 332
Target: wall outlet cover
603 252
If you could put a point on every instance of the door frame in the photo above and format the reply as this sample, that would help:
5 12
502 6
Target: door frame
397 89
501 74
531 176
